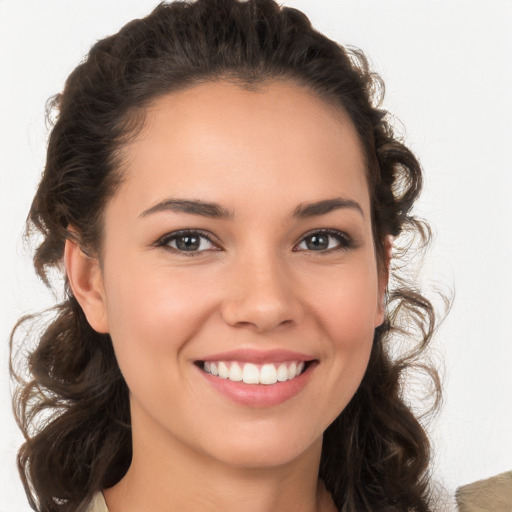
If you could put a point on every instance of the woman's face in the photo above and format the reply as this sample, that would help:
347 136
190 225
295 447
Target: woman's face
240 242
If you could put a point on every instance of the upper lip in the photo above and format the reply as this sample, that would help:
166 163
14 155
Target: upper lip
259 356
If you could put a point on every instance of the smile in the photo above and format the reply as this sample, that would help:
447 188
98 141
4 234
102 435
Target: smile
250 373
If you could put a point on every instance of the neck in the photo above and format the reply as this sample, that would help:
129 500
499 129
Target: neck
168 476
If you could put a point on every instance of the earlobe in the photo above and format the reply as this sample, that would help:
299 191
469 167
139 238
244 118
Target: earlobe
383 281
86 282
381 310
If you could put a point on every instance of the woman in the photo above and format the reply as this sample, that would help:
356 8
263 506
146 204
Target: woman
224 193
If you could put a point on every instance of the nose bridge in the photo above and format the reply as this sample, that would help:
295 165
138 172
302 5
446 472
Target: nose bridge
260 290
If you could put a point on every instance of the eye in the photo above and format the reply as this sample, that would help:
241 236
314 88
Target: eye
187 241
325 240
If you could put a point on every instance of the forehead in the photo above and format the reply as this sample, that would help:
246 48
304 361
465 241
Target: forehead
221 139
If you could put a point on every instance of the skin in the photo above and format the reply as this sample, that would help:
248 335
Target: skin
258 285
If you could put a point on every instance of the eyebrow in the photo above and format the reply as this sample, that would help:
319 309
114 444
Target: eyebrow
306 210
214 210
191 206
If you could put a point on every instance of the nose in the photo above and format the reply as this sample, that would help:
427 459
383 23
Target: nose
261 294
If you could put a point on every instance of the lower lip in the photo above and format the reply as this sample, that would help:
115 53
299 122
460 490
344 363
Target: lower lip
260 395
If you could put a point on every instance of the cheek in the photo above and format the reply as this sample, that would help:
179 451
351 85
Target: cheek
152 318
151 315
347 305
346 310
147 294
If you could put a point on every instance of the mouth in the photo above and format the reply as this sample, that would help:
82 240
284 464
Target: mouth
258 378
267 373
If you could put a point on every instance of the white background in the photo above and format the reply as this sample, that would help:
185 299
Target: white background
448 72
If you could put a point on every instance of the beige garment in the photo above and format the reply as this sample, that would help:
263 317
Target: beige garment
491 495
98 504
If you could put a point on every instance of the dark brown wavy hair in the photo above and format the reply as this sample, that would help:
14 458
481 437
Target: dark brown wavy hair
72 403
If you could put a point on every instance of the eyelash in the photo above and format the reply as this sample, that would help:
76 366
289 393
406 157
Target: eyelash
345 242
175 235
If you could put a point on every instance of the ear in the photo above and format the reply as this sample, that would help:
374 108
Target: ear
86 282
383 279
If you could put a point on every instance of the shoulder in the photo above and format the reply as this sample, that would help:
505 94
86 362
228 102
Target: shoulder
98 504
492 494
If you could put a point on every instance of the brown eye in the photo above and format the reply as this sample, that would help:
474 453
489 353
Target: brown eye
187 241
325 241
317 242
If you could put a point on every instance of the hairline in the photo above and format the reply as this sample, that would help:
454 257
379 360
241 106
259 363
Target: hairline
135 119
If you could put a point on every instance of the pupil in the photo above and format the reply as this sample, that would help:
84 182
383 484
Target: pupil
318 242
188 243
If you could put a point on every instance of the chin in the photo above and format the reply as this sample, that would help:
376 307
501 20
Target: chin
266 451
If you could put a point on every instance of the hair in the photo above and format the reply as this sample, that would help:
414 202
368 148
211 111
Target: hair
74 407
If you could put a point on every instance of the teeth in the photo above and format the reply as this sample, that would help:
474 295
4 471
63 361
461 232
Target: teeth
282 372
223 370
235 372
249 373
268 374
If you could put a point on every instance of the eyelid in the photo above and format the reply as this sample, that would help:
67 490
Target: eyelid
164 240
345 241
